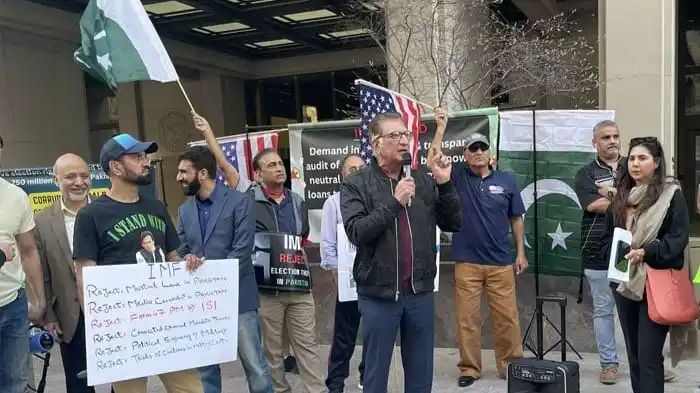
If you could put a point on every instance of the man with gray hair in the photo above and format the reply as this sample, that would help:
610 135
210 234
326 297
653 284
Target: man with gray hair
54 236
595 187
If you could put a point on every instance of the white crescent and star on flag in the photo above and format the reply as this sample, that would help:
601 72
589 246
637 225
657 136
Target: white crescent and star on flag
550 187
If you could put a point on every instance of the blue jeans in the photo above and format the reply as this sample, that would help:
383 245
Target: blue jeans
382 319
603 315
14 345
251 355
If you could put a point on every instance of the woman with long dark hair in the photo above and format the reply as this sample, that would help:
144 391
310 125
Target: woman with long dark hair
651 206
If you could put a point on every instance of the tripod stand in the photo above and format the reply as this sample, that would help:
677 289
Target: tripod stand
537 347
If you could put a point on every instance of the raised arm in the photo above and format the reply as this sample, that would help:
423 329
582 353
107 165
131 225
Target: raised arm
436 143
230 173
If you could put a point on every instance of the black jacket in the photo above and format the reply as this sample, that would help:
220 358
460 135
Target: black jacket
369 212
666 251
266 217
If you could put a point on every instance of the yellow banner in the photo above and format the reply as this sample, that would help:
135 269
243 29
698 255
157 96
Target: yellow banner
40 200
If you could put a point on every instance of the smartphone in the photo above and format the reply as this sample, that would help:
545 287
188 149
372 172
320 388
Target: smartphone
622 263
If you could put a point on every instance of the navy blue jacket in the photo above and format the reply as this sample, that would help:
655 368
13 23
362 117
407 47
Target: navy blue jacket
230 234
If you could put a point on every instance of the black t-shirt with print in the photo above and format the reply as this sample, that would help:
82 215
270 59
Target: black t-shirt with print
110 232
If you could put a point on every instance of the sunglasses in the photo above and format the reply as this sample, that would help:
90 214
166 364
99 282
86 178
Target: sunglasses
478 146
644 139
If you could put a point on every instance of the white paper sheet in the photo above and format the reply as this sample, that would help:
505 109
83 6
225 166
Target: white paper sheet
149 319
621 237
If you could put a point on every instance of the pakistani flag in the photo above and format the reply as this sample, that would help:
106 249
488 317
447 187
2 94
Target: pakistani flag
563 147
120 44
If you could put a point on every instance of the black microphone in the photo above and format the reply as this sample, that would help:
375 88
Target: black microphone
406 161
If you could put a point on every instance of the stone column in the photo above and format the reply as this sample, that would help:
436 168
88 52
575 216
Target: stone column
638 80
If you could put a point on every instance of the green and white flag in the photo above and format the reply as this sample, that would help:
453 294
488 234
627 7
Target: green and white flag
564 145
120 44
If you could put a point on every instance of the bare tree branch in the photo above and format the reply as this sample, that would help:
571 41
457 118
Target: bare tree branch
464 51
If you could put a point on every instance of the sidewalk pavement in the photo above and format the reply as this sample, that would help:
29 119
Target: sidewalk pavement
445 376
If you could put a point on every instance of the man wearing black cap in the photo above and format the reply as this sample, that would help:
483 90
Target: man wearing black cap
101 238
491 204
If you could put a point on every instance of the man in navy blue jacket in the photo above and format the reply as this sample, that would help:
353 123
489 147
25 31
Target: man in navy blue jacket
216 223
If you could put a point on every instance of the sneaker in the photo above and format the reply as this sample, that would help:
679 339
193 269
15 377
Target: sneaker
669 375
608 374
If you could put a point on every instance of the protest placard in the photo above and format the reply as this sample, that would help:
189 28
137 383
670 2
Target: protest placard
149 319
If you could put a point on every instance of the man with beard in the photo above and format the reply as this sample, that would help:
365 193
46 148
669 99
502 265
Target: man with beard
279 212
54 236
100 238
216 223
595 188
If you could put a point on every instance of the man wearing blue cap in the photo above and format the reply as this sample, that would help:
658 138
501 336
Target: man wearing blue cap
99 237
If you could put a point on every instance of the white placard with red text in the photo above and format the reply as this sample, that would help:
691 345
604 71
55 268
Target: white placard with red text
149 319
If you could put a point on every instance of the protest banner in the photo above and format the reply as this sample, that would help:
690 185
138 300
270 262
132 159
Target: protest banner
149 319
280 262
317 149
39 184
347 288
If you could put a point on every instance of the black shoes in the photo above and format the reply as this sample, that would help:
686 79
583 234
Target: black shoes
465 381
290 365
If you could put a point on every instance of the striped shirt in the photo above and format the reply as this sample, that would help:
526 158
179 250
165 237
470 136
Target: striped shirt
588 180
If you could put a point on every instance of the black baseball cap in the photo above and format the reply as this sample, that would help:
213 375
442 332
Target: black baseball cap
122 144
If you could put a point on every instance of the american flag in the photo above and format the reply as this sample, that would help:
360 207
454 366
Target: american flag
240 150
375 100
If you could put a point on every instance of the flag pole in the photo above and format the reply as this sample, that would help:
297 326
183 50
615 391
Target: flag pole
370 84
184 93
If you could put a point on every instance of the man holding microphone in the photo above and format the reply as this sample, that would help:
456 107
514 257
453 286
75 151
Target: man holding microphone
391 217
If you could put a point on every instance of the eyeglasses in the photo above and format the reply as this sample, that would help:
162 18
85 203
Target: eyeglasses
396 135
478 146
644 139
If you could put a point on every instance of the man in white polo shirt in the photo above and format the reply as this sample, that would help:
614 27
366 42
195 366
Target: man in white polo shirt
16 224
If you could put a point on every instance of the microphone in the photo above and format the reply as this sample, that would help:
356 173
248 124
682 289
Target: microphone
406 161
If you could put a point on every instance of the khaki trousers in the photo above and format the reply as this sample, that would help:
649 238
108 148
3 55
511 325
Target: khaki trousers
185 381
499 283
294 313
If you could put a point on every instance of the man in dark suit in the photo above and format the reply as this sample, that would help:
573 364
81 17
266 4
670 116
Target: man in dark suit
54 235
216 223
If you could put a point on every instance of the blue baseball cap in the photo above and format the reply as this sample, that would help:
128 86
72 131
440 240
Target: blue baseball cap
122 144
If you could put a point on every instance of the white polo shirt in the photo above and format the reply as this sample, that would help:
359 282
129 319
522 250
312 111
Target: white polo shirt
15 217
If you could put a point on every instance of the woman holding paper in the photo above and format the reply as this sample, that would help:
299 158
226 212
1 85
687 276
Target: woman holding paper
652 208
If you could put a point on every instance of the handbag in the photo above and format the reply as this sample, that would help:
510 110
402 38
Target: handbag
670 297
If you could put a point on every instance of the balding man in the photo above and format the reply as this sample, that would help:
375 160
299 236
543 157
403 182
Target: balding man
54 234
